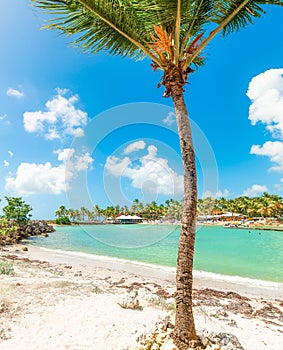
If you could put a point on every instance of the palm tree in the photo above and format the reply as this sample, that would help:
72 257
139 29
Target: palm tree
135 206
62 211
71 213
172 34
83 212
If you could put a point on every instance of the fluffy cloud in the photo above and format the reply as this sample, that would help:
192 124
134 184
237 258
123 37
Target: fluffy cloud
65 154
82 162
273 150
6 163
135 146
61 117
117 166
14 93
255 190
34 178
152 173
170 118
266 93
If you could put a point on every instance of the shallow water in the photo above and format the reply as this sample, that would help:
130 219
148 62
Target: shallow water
235 252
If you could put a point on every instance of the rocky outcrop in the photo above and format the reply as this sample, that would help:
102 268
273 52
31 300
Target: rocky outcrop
32 228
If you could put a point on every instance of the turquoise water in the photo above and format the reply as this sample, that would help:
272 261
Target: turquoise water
236 252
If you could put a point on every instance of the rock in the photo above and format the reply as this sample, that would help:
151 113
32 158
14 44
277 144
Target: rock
25 249
228 340
129 301
32 228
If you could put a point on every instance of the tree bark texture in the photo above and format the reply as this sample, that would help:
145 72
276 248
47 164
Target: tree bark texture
184 330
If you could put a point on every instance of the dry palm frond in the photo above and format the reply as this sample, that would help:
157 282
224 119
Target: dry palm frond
194 44
162 44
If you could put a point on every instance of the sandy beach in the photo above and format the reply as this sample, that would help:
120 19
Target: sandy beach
59 300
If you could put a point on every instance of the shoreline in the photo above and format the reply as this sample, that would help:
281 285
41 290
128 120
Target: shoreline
57 300
278 228
160 273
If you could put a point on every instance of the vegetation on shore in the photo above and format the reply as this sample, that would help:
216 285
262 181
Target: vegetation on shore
266 205
16 214
16 224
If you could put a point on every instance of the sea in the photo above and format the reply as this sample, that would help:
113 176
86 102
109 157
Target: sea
253 254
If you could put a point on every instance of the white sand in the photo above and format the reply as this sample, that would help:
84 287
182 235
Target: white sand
71 302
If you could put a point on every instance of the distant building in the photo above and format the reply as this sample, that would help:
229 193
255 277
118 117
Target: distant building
128 219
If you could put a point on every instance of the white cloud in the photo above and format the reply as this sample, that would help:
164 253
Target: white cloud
273 150
83 161
6 163
34 178
217 194
10 153
152 173
14 93
135 146
170 118
65 154
117 166
266 93
255 190
61 118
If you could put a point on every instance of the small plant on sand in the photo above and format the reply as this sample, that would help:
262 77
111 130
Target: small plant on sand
6 268
3 334
163 304
97 290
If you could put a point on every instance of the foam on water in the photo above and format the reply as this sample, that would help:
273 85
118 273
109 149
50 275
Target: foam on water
196 273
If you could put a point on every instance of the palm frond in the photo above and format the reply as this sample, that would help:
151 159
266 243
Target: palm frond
200 13
111 25
243 17
231 16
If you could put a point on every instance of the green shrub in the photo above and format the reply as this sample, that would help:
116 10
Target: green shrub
63 220
6 268
17 210
6 226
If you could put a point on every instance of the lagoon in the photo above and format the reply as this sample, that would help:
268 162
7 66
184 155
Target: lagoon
252 254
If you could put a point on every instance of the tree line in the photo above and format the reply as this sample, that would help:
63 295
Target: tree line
171 209
266 205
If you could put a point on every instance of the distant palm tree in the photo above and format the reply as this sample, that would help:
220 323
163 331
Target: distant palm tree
83 212
172 34
71 213
62 211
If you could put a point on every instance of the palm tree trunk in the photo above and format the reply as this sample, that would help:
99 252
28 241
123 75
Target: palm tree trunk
184 330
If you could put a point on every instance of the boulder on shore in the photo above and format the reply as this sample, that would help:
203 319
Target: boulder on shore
32 228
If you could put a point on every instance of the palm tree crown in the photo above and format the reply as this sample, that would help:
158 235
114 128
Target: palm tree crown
172 33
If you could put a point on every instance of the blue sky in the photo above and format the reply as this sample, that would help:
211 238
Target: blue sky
98 124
